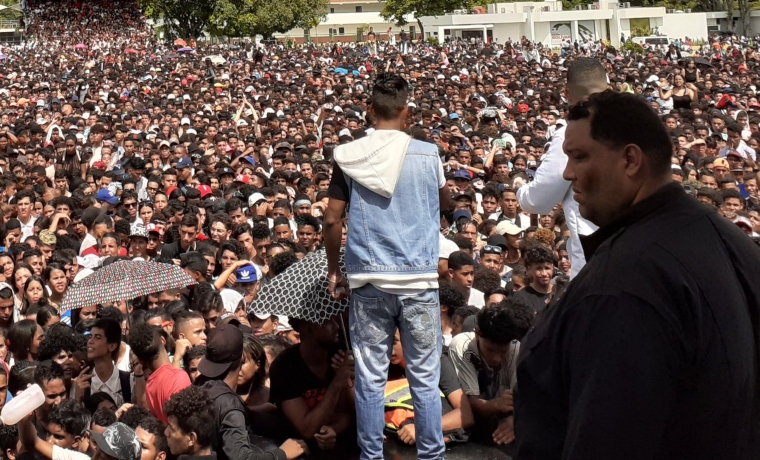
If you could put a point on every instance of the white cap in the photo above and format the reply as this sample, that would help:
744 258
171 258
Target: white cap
230 299
185 121
255 198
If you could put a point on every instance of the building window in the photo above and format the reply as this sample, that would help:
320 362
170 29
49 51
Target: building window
341 30
358 9
332 10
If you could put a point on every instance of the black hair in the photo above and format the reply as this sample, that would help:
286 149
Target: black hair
132 416
276 344
208 302
93 401
486 280
44 314
112 331
145 341
620 119
281 262
450 296
389 95
20 338
48 371
8 439
154 426
71 416
459 259
22 375
307 220
537 254
193 411
496 324
103 417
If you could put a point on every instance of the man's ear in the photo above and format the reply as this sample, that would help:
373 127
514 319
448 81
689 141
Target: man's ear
10 454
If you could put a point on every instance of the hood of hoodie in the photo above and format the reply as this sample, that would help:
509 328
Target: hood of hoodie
375 161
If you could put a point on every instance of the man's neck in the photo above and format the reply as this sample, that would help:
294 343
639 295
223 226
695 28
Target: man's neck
312 352
104 367
162 360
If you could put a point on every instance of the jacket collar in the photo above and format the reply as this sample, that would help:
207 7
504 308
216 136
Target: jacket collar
666 194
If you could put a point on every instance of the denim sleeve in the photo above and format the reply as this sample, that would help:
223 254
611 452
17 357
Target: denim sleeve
235 442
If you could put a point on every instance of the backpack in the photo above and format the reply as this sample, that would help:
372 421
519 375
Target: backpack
399 411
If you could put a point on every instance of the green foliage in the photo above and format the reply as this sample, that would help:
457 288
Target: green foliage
633 47
237 18
432 41
643 31
397 10
182 18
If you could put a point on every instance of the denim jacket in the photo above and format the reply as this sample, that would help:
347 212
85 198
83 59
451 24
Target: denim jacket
396 238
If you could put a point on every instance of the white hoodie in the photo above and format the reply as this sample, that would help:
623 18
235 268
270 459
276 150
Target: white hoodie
375 161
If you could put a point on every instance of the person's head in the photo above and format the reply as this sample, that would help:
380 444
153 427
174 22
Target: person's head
585 76
117 442
461 269
9 442
732 203
49 376
105 339
210 305
389 98
7 304
224 354
495 330
618 151
253 368
190 413
100 400
539 262
24 340
152 436
450 297
326 335
68 424
191 360
191 326
145 342
101 419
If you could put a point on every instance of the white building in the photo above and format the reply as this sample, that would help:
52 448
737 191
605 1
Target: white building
544 21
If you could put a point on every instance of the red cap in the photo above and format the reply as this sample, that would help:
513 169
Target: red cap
204 189
242 178
522 108
99 165
170 190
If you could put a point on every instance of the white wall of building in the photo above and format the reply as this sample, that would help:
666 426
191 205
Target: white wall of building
679 25
506 32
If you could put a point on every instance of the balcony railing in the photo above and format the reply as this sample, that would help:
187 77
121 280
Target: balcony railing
9 24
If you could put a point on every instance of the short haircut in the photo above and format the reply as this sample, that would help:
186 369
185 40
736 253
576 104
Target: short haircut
112 331
145 341
71 416
47 372
22 375
154 426
496 324
389 95
538 254
584 69
103 417
193 411
132 416
620 119
8 439
459 259
184 317
450 296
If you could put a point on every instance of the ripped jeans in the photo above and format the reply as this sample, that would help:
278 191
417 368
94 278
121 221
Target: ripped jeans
374 317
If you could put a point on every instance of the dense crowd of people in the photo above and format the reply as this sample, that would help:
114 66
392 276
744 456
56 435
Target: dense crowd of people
116 146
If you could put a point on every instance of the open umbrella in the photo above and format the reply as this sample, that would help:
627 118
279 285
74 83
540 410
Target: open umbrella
171 56
124 280
185 50
180 42
300 292
80 46
216 59
702 62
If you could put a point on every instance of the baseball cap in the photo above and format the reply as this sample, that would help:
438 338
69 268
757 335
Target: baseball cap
497 240
183 163
138 231
47 237
743 222
226 170
108 196
255 198
223 348
721 163
246 274
119 441
242 178
164 143
185 121
152 228
204 189
506 227
461 214
283 145
462 174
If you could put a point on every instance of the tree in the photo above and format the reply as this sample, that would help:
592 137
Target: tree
235 18
181 18
398 10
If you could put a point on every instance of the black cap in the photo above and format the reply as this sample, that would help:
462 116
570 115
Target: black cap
223 348
497 240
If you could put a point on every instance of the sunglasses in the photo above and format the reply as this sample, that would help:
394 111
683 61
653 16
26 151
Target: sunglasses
489 249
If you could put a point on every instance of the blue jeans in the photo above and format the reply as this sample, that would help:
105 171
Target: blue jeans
374 317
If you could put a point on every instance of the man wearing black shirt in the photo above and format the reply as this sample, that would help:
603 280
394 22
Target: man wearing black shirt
539 263
652 350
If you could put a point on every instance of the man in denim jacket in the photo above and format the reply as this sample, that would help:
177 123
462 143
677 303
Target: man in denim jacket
394 187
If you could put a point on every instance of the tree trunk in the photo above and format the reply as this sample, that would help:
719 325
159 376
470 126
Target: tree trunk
744 10
422 30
